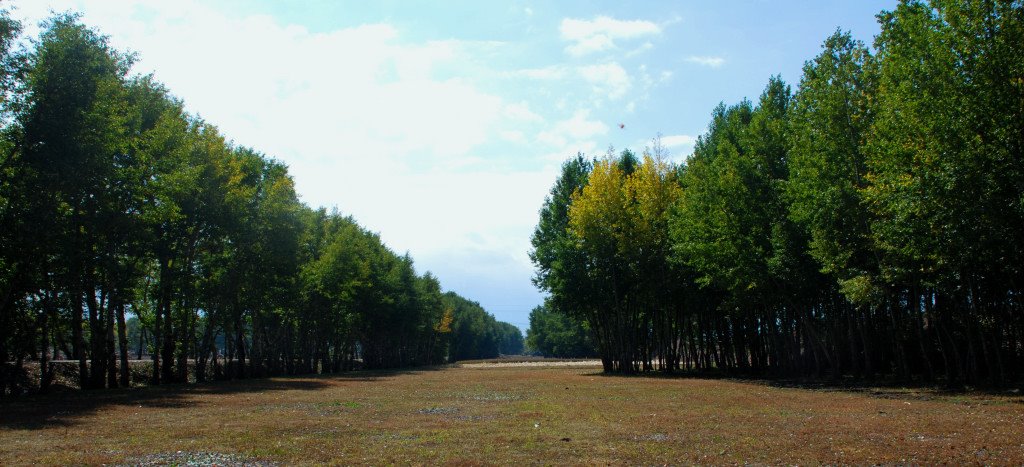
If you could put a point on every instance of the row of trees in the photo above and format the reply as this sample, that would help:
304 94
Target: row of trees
477 334
117 203
554 334
868 224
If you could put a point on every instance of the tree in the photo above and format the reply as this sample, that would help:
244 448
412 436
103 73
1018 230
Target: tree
561 264
944 155
73 144
557 335
829 120
474 331
124 215
510 339
619 222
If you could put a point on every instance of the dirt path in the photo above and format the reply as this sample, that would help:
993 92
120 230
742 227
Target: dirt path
551 364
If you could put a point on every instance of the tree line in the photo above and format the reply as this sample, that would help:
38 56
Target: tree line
116 203
558 335
476 334
868 224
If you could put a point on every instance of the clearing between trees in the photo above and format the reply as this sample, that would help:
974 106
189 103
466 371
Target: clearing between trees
510 415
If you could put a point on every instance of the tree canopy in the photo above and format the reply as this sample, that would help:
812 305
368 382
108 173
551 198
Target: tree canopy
868 223
119 207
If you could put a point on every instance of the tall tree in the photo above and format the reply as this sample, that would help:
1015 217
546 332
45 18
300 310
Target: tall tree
944 153
73 142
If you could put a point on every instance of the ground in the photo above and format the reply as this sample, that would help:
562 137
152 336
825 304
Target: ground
489 414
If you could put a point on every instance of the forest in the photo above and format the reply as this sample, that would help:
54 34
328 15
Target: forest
867 223
118 207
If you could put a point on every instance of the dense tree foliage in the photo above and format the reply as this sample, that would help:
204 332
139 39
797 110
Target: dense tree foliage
129 224
558 335
475 334
867 224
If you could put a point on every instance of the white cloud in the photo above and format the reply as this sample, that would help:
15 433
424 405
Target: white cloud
360 114
513 136
379 124
520 111
599 34
550 73
572 131
646 46
580 126
609 79
713 62
678 144
675 141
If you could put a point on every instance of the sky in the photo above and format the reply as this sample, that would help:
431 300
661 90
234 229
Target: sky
443 125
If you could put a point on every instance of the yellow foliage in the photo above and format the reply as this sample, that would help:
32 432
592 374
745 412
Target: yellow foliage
596 216
445 326
624 214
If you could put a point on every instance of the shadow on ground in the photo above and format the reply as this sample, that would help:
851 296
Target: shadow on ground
878 388
64 407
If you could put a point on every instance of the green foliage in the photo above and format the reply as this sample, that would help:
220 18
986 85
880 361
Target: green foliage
869 223
559 262
829 123
129 223
510 339
476 334
617 226
944 150
553 334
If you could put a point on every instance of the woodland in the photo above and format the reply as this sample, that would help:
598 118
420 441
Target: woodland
118 207
866 223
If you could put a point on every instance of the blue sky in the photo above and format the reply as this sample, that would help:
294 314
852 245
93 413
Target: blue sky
442 125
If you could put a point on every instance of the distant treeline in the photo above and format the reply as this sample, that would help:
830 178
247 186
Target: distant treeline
559 335
871 223
476 334
115 202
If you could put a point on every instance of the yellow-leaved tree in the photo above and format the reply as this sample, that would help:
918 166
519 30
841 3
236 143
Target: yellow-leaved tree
619 220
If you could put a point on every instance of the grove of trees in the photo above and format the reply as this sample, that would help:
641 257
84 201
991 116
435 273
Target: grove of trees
477 334
869 223
118 206
553 334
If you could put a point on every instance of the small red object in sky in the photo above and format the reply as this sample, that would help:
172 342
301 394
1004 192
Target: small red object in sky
622 125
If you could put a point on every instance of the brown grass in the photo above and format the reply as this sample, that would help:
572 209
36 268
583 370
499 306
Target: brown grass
514 415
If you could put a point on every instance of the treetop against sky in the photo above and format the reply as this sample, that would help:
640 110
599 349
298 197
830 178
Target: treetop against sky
443 126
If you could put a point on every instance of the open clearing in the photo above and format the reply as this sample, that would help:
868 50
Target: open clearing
506 415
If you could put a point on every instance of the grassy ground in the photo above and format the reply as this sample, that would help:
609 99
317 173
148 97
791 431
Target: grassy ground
510 415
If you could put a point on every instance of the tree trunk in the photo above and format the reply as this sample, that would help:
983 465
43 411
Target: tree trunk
111 354
78 341
122 340
97 337
205 347
45 370
899 352
157 326
240 347
142 340
167 337
922 344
